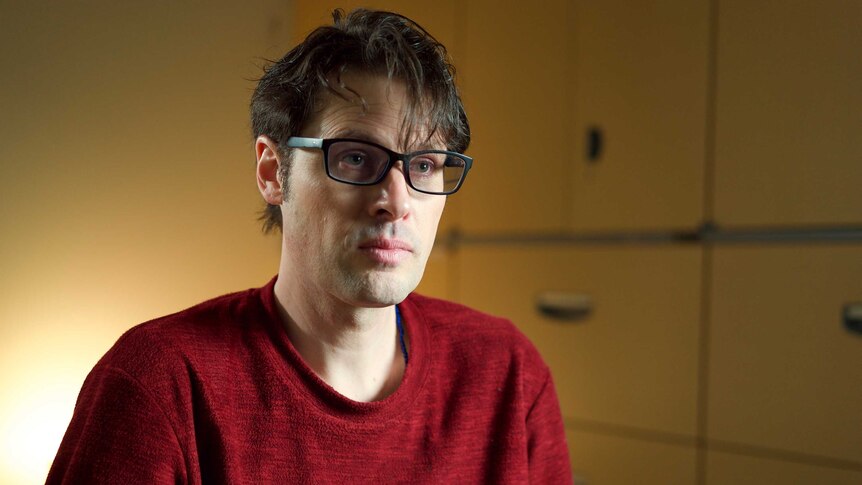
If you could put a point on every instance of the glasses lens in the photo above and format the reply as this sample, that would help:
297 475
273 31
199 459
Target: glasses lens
437 172
355 162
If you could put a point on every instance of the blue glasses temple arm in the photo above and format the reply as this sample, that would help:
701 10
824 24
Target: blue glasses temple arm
302 142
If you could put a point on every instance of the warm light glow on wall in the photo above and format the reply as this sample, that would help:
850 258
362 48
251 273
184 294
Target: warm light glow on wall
126 188
33 425
41 375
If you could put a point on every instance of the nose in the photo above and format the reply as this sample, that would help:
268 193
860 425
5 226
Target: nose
392 199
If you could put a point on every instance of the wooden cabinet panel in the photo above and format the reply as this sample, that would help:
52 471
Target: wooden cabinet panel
436 280
724 468
609 460
789 113
515 85
784 372
633 360
641 78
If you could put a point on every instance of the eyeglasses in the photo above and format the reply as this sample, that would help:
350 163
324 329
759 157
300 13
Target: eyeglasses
359 162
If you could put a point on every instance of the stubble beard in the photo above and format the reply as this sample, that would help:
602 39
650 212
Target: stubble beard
366 284
378 287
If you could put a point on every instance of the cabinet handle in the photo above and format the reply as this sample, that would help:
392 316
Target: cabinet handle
595 143
564 306
853 317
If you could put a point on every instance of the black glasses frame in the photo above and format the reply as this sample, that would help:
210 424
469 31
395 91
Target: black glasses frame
325 143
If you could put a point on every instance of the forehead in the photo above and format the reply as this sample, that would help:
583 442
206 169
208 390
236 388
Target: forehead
372 106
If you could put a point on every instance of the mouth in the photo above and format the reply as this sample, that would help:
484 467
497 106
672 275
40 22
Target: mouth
386 251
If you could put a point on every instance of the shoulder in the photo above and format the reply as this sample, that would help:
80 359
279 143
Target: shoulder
446 316
478 338
169 345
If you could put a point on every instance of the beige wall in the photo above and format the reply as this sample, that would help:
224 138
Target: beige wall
126 187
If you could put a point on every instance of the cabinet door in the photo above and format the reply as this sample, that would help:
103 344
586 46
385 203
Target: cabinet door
436 281
599 459
633 360
515 85
724 468
641 82
784 371
789 113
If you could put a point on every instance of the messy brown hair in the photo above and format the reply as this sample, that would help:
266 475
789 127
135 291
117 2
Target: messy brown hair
365 41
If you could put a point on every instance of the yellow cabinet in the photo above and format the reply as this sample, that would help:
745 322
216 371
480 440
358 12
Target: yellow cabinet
436 281
633 359
725 468
789 113
784 371
640 81
599 459
513 66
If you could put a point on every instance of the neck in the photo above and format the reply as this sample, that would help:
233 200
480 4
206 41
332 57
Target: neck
353 349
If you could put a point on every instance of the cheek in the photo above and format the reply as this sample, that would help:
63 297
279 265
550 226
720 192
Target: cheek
431 218
324 217
302 211
436 212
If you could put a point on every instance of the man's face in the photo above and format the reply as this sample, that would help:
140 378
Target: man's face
364 245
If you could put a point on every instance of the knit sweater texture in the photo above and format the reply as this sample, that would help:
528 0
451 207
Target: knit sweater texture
217 394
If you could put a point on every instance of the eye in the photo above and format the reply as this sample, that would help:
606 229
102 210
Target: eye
423 166
354 159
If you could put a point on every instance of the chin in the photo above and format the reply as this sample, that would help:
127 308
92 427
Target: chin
380 290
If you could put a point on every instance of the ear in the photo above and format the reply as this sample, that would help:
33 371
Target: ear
266 151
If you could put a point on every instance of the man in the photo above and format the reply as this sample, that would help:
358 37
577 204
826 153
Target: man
334 371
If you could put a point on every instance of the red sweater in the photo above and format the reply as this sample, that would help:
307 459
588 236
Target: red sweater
217 394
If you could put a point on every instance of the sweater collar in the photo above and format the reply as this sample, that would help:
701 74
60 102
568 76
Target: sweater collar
296 375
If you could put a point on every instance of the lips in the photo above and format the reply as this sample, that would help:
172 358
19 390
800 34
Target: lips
385 251
386 244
